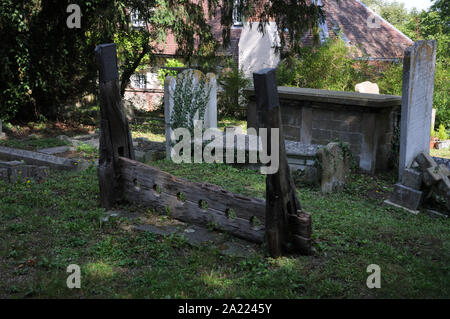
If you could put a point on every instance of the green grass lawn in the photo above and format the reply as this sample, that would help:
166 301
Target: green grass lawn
46 226
440 153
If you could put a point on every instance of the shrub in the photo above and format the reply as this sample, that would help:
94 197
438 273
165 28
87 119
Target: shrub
327 67
189 98
231 100
170 63
442 134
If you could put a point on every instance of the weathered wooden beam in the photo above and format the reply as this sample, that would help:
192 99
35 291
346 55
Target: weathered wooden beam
287 227
180 198
115 138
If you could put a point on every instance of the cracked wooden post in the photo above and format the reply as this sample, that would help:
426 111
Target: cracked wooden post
288 228
115 138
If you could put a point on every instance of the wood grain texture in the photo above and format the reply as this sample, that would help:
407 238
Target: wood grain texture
159 190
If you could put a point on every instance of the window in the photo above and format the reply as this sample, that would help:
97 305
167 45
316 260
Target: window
136 20
140 81
237 13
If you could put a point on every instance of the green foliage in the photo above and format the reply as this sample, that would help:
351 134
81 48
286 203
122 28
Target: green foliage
189 98
331 61
433 132
231 100
442 134
431 24
390 79
170 63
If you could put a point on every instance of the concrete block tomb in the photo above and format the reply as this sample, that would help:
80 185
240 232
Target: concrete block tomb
365 122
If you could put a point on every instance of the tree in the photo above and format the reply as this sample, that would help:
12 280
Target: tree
46 65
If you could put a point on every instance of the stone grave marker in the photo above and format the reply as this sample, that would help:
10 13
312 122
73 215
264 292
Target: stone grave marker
335 167
367 87
417 101
189 81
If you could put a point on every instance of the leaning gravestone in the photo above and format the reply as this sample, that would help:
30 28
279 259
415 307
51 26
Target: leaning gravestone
418 84
181 93
417 101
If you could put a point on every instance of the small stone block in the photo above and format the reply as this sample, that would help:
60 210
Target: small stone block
433 175
425 161
140 156
412 178
406 197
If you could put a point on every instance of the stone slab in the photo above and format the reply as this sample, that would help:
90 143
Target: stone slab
424 160
406 197
412 178
335 97
433 175
389 203
35 158
55 150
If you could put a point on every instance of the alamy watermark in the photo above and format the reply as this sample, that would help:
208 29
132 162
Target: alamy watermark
74 279
374 280
213 152
74 19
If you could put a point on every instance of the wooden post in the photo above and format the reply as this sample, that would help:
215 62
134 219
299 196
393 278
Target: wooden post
287 227
115 138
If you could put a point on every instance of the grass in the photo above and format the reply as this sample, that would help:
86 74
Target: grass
44 227
33 143
440 153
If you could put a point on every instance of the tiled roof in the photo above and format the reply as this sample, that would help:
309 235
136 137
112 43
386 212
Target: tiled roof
359 26
363 29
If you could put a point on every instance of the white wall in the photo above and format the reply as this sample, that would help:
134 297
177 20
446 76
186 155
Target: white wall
256 50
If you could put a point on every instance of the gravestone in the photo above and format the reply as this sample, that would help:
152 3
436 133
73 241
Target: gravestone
2 135
193 77
367 87
335 167
417 101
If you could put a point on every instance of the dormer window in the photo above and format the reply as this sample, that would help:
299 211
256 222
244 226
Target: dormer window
237 13
136 20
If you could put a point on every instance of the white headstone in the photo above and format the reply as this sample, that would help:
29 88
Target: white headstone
418 84
367 87
256 50
170 86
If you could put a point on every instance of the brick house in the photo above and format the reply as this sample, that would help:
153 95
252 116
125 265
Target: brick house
373 37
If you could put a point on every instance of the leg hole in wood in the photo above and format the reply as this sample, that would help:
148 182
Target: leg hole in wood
203 204
137 185
230 213
181 197
255 222
157 189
